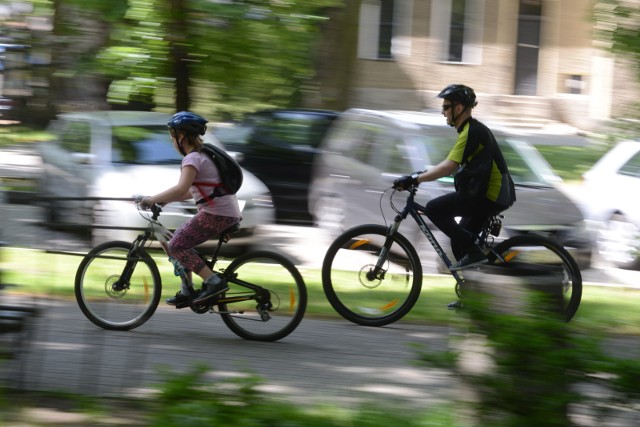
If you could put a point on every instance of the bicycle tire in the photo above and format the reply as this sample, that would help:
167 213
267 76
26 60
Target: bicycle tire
389 297
288 294
526 250
109 308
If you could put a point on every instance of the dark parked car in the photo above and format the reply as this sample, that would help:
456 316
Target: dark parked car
366 150
278 146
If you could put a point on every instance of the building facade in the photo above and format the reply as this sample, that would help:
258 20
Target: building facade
530 61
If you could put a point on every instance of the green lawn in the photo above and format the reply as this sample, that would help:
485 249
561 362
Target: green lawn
603 309
571 162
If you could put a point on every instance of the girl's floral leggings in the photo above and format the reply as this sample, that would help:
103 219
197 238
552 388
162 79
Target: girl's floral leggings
201 227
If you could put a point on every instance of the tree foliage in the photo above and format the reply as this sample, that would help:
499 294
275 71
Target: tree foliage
221 57
618 26
238 55
617 29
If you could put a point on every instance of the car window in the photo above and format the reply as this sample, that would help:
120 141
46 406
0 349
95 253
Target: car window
143 145
362 146
437 147
75 137
397 158
632 167
233 134
526 164
390 154
353 139
292 131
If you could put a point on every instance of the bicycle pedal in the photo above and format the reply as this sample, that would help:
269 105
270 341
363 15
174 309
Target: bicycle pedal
183 304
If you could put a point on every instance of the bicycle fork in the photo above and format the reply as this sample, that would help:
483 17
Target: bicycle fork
124 281
378 272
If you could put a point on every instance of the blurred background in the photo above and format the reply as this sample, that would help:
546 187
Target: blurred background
273 77
86 86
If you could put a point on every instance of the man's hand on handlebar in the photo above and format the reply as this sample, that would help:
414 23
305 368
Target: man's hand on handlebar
406 181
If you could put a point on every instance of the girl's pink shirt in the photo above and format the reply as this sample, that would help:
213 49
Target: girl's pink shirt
208 172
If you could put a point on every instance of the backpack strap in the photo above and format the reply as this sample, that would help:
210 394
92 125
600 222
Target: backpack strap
217 191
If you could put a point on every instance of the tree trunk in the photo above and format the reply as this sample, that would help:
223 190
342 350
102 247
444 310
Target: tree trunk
179 53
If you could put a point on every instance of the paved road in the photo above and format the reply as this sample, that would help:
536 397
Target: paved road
321 362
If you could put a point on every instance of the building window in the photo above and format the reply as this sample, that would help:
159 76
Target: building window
456 35
458 25
385 28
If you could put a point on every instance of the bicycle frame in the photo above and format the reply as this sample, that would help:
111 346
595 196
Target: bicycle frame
416 211
163 235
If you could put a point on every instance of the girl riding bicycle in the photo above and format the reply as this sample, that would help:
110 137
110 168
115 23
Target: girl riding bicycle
215 213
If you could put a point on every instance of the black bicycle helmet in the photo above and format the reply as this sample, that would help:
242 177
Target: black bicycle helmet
188 122
459 93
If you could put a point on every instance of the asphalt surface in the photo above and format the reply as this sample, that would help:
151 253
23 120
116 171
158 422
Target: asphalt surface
321 362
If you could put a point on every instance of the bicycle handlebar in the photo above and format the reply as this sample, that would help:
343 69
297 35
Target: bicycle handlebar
155 209
413 189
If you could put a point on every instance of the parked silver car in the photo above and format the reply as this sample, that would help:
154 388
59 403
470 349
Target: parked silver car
610 202
117 154
365 150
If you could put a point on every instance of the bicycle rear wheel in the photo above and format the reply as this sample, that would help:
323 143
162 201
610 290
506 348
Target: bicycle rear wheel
110 302
365 300
252 320
541 255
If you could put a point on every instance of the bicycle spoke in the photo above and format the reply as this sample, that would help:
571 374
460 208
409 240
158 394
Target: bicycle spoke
360 292
282 308
537 255
107 298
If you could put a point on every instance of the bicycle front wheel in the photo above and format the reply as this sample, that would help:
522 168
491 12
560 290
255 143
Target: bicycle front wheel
542 256
272 311
114 295
356 291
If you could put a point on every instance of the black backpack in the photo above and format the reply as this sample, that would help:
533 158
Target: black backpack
229 170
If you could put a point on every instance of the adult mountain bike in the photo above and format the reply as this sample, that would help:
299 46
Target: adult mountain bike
372 275
118 286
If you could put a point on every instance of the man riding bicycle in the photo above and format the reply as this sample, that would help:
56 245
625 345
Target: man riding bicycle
482 181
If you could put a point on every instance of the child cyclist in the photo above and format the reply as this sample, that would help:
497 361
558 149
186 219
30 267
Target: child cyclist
216 211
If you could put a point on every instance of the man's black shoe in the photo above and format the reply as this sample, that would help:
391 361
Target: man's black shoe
474 257
180 300
211 288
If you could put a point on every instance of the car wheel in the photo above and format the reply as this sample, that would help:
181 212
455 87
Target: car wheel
619 243
329 215
51 213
